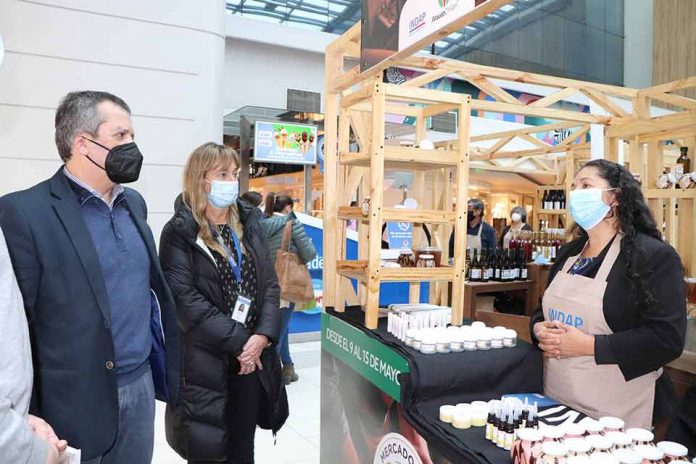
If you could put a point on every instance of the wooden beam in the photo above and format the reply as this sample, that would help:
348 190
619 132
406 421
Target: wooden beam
554 97
630 127
534 140
346 80
605 102
549 113
491 89
498 145
529 78
668 135
508 169
357 96
419 95
527 130
426 78
433 110
670 86
676 100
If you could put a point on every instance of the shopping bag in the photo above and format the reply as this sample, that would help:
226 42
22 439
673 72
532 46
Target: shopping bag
293 276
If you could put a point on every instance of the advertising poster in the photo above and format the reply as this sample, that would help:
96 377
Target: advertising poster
393 25
362 421
279 142
400 235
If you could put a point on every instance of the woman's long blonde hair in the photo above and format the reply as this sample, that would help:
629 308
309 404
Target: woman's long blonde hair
205 158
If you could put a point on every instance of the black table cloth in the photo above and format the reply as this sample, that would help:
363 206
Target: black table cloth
452 378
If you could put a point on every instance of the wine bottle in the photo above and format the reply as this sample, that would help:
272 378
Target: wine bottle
556 200
467 267
498 266
484 266
545 200
490 267
563 199
475 275
683 163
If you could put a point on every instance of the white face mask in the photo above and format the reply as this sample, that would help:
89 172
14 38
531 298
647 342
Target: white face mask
516 217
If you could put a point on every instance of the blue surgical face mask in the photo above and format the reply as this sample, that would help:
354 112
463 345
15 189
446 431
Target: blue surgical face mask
587 207
223 193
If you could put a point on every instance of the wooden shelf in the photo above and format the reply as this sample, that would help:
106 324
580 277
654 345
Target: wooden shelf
418 216
410 159
559 212
358 270
670 193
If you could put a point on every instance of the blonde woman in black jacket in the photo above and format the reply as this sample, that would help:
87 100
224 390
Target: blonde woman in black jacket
215 261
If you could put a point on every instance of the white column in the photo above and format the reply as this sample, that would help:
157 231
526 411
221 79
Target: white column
165 59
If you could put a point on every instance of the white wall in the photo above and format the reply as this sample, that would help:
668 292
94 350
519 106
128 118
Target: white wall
259 75
164 58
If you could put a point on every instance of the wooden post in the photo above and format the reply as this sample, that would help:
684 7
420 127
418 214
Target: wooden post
376 204
333 68
458 272
340 232
418 195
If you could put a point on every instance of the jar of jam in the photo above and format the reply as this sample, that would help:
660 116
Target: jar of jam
406 259
426 261
553 453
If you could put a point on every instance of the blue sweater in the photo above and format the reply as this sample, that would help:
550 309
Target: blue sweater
126 270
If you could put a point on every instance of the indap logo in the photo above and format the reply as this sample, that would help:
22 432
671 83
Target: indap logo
416 23
395 449
449 5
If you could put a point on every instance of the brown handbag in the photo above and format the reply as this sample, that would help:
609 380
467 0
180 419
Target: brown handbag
293 276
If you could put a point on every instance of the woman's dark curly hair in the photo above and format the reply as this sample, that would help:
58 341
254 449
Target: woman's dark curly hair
633 216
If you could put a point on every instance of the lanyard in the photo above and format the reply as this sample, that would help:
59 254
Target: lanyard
234 264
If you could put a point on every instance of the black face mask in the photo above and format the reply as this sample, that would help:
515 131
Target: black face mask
470 216
123 162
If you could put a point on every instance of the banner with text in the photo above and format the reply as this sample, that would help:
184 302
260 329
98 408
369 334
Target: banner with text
370 358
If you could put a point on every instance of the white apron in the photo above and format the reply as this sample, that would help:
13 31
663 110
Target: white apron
474 241
596 390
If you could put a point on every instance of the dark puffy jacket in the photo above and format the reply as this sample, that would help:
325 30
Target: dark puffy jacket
274 227
198 427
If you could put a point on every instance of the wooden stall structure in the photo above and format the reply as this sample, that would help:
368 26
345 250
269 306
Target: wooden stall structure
359 102
645 138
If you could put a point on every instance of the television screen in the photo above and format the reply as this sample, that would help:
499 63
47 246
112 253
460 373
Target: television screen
281 142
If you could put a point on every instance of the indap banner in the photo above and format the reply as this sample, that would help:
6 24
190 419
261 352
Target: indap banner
389 26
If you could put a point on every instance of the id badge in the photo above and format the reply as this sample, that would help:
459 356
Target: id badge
241 309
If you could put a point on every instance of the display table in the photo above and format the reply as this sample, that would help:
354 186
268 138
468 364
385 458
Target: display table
473 289
431 381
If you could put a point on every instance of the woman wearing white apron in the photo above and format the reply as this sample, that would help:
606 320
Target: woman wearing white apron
614 311
518 216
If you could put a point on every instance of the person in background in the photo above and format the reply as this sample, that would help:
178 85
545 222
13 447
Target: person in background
280 211
518 216
255 199
226 291
614 312
23 438
98 308
480 235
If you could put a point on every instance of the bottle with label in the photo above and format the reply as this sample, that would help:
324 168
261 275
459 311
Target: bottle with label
475 274
496 269
484 266
563 199
683 163
515 266
467 264
490 267
545 200
556 200
523 268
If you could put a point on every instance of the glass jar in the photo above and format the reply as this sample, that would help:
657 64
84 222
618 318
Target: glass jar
599 444
426 261
470 342
612 424
673 451
410 336
406 259
429 345
627 456
641 437
553 453
573 431
578 447
552 433
527 447
510 339
457 342
650 454
462 419
619 440
443 345
497 341
446 413
434 252
483 341
593 427
418 340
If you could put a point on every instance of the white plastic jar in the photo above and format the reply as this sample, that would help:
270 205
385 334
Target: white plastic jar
673 451
497 340
483 341
510 339
457 342
429 344
447 412
470 342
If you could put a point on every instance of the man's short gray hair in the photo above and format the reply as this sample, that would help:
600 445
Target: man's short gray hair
78 113
475 203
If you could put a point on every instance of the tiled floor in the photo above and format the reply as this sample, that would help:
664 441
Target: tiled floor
298 441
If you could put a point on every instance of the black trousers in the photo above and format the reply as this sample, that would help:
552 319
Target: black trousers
243 411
